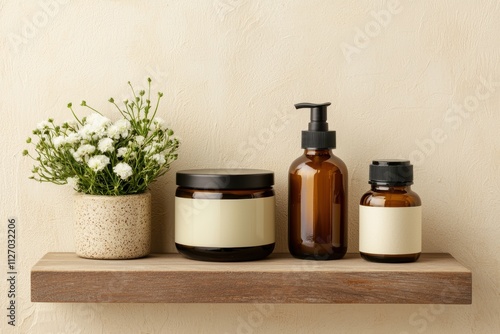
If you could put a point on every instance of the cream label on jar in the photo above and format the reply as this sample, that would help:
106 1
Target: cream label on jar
224 223
390 231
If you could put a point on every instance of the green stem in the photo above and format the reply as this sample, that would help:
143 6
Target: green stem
156 109
86 105
121 111
74 115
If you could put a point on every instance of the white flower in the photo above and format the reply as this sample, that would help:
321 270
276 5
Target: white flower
72 181
72 138
59 141
83 151
159 158
72 123
43 125
123 126
160 123
77 157
105 145
85 132
98 162
149 149
114 132
123 170
121 152
139 140
86 149
95 127
97 122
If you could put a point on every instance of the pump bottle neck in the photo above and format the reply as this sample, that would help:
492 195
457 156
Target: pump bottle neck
391 188
318 151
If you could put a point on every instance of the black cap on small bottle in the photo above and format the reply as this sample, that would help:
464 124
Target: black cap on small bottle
317 135
391 172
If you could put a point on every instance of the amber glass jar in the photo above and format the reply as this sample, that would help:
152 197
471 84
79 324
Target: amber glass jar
390 214
225 214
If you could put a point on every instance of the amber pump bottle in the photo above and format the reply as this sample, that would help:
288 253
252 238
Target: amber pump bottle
317 194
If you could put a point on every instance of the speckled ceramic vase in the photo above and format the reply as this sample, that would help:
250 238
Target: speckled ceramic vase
113 227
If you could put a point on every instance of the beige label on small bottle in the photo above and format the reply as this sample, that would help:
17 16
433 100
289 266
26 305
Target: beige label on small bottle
224 223
390 231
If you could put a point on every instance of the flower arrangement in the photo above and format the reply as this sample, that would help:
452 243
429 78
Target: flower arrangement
101 157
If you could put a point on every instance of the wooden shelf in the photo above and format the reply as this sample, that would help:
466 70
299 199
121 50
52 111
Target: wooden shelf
170 278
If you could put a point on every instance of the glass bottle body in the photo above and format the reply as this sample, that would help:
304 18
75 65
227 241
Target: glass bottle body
317 208
385 196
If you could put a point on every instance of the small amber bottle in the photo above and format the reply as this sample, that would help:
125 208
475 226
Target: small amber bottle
390 214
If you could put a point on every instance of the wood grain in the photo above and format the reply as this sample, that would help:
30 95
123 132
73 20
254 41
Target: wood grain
170 278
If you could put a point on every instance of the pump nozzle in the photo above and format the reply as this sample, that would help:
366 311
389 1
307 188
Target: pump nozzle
317 135
318 115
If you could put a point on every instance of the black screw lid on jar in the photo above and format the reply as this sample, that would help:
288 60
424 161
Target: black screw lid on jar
391 172
238 178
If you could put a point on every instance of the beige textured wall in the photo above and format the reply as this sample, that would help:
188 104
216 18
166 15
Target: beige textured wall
424 84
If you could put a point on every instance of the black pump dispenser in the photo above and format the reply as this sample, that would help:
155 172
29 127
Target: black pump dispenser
317 136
